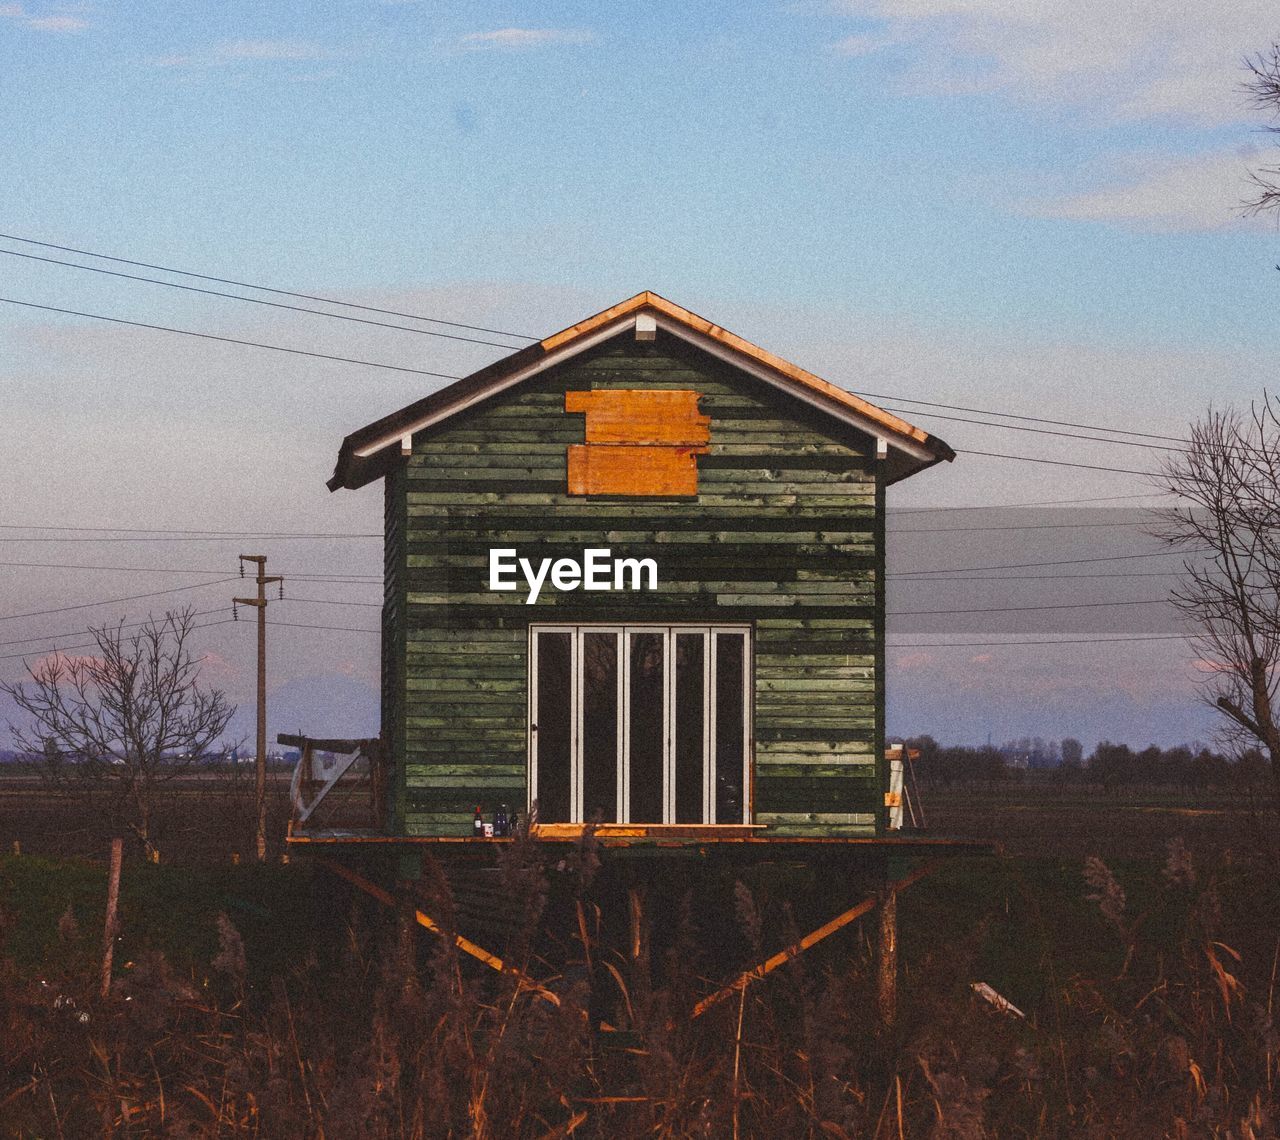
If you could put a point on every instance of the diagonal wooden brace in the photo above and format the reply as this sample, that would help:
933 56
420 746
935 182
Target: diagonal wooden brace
463 944
782 957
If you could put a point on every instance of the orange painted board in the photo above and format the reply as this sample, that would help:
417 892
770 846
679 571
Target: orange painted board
615 469
627 415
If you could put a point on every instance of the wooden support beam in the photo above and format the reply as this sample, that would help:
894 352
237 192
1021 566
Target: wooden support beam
887 960
406 944
813 938
639 925
109 924
465 945
378 784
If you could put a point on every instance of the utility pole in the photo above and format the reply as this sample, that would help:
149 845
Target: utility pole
260 769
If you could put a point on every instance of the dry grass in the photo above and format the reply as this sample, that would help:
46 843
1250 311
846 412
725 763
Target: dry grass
1149 992
275 1003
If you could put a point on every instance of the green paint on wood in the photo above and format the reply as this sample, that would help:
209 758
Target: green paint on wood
786 534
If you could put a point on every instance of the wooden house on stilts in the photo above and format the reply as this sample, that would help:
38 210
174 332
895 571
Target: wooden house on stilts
634 579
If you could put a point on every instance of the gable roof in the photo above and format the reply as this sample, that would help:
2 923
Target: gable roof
365 453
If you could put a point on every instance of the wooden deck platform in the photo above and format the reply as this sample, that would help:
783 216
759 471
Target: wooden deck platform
744 838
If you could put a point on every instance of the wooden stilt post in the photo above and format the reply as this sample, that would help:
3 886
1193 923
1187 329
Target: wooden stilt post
113 903
406 934
887 971
406 911
639 927
640 974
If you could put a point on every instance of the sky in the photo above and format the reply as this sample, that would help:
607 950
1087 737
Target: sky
1033 209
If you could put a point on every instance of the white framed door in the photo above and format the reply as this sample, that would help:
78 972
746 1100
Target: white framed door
640 723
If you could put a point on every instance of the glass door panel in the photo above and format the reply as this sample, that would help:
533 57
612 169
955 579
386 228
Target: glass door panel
646 723
730 726
690 726
552 728
601 727
639 724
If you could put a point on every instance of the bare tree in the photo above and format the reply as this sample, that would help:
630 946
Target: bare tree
1263 89
1228 480
126 718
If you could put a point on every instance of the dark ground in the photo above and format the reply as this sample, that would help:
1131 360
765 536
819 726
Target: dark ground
271 1000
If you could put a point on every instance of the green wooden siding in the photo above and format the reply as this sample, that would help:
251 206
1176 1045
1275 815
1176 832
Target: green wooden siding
786 534
393 633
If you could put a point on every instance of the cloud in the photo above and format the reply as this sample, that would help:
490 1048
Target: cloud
912 662
270 50
217 670
522 39
232 52
1156 193
57 660
1132 61
50 23
853 46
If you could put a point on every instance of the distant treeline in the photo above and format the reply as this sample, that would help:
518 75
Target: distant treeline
1110 765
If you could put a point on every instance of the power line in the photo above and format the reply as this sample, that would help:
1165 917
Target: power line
89 644
196 530
451 376
219 536
1018 526
1010 506
319 579
472 328
115 601
1013 416
1021 427
257 300
1018 644
331 602
1060 562
263 288
1025 609
1051 462
230 340
1036 577
79 632
182 538
340 628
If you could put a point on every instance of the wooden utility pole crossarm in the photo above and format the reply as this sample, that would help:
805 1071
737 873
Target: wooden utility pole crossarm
260 767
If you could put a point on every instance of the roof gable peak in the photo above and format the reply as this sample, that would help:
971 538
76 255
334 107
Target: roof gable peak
357 463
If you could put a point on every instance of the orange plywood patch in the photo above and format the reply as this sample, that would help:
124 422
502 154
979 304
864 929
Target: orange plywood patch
630 416
616 469
637 442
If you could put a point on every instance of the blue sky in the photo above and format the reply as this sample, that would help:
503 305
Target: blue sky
1034 210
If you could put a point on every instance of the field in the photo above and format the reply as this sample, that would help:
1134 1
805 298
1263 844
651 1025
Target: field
1136 932
1073 822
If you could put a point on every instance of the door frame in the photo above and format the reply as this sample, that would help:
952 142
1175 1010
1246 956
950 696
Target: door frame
622 631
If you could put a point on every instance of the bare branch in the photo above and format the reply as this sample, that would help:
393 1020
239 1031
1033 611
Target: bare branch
1229 480
126 717
1262 90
